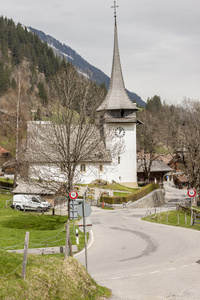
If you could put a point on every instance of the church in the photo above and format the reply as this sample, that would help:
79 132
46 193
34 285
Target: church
118 115
119 112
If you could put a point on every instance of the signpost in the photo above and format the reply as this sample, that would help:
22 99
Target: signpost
74 209
84 210
191 192
88 225
87 209
73 195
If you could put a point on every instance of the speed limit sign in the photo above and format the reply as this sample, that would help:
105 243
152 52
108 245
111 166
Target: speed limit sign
73 195
191 192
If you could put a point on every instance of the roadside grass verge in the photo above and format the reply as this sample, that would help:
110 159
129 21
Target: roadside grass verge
107 208
44 230
47 278
173 218
9 180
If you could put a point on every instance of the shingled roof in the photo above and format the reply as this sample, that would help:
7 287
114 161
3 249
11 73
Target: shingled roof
46 143
157 166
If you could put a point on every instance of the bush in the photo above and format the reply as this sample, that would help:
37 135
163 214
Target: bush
99 182
6 184
132 196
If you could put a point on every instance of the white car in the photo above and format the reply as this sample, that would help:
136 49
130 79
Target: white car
30 202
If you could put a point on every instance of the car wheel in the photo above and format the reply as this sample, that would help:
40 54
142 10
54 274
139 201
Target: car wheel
39 209
18 207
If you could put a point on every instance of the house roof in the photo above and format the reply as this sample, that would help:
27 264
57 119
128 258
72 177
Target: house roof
46 143
157 166
117 98
2 151
165 158
182 178
35 188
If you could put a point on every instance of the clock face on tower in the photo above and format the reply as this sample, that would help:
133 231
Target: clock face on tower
120 131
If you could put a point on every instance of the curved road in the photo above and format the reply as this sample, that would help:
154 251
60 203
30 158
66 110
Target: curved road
140 260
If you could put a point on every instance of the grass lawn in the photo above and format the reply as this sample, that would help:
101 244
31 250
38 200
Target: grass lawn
174 218
44 230
6 180
47 276
112 186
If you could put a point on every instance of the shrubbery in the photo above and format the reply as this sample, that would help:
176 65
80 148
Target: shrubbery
130 197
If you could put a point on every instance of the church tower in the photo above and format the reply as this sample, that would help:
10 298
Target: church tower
119 113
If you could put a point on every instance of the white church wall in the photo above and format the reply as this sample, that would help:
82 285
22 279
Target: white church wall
124 168
53 173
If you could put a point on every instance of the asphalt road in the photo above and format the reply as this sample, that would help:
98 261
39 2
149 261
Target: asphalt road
141 260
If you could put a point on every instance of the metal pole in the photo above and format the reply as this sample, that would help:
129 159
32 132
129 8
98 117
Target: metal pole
191 219
73 218
84 229
17 133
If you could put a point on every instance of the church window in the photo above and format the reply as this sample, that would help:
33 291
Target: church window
118 160
122 113
83 167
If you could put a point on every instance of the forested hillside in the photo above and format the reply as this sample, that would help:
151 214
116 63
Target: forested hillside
17 44
27 68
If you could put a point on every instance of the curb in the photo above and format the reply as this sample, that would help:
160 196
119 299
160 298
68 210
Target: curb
89 243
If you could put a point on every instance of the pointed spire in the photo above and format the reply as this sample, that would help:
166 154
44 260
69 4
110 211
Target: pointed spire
117 97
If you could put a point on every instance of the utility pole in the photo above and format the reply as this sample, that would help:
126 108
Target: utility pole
17 132
84 229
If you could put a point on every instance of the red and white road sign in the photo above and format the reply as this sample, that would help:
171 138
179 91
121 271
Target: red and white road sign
191 192
73 195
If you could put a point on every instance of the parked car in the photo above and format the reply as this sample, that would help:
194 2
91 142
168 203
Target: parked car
30 202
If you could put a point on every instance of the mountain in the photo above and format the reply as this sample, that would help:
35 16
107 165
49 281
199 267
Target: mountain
81 64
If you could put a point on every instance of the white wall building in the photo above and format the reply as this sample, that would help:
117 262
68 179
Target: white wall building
117 114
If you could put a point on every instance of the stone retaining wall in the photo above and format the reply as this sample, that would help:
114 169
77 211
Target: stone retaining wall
153 199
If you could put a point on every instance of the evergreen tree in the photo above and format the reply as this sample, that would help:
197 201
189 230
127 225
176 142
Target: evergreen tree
154 104
42 93
4 78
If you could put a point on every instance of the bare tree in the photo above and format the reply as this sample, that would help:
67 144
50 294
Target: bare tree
188 141
148 140
15 114
56 149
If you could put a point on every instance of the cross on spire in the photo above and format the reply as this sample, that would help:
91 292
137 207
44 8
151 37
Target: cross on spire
115 10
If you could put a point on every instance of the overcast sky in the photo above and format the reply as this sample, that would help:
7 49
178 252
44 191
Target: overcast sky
159 41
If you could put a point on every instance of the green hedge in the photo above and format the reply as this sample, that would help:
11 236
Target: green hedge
130 197
6 184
